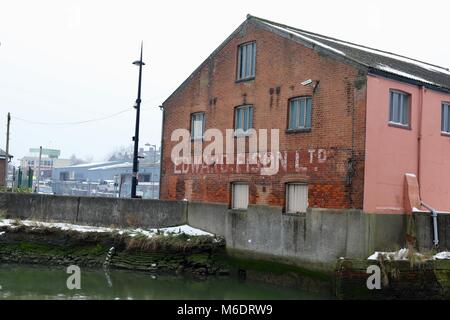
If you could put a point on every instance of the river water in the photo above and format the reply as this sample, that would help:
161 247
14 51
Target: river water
38 282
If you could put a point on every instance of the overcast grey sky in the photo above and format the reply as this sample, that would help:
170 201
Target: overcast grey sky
66 61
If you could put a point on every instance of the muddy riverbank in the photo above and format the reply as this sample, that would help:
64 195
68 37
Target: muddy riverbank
158 251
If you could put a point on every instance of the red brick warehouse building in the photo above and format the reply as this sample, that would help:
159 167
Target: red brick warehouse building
352 121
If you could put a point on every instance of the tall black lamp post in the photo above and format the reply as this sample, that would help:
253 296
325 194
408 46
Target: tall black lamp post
134 180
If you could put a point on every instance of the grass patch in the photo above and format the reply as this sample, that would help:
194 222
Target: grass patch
178 243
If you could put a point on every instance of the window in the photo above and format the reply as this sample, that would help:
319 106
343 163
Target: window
197 125
445 127
145 177
296 197
64 176
300 113
246 61
399 108
243 119
239 195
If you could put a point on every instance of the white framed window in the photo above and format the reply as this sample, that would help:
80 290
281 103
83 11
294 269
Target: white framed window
399 108
239 195
246 61
197 125
300 113
445 119
296 197
243 119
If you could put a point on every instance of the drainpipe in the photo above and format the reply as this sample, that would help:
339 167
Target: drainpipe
419 162
161 154
419 137
435 224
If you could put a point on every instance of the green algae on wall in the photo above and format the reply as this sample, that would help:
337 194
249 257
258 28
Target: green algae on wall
399 279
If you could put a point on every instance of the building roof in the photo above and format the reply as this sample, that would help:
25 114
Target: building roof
375 61
3 154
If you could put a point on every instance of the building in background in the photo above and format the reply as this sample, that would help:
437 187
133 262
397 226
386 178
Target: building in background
109 178
4 164
49 160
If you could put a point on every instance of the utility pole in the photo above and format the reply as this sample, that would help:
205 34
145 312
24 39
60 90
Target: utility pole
134 180
39 169
7 151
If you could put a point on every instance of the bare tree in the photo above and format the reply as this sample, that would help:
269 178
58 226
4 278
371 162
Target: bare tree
121 153
74 160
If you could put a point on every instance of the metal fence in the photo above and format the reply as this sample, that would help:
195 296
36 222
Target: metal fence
147 190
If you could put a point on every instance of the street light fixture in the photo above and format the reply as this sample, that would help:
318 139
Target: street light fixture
134 180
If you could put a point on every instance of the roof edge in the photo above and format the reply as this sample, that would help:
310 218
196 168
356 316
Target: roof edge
346 42
393 76
220 47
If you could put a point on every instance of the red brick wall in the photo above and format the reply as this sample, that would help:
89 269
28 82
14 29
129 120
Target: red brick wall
338 122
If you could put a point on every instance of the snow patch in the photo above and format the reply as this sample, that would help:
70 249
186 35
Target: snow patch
442 256
399 255
301 36
401 73
312 38
183 229
186 229
402 255
390 55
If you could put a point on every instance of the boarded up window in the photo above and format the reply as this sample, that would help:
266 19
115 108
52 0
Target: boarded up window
239 195
296 197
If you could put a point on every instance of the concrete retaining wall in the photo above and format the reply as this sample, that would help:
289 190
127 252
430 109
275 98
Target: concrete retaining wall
316 238
94 211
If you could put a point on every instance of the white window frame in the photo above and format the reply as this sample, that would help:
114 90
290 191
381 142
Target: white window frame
400 116
194 134
246 120
301 118
445 118
288 200
246 61
234 205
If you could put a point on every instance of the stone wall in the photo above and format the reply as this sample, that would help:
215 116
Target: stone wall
428 280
